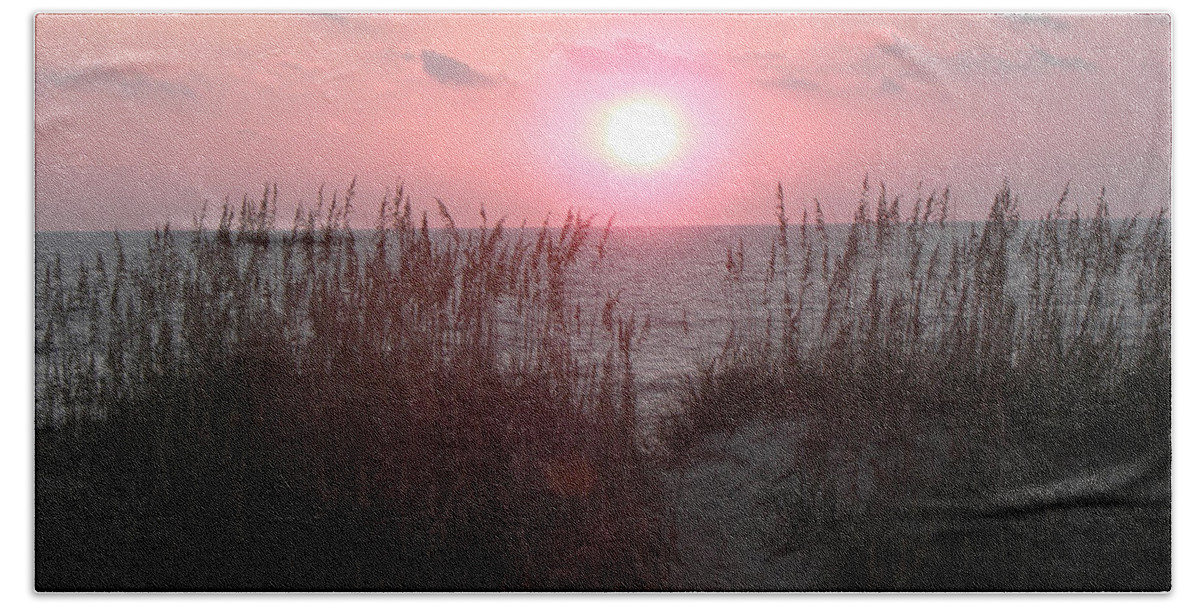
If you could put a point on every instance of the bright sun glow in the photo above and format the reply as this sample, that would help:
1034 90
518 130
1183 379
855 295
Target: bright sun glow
642 133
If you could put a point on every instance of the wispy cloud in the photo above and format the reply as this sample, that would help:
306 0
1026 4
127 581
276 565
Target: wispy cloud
914 62
889 86
876 62
124 80
1061 61
450 71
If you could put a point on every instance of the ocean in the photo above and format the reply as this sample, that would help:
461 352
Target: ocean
778 502
677 283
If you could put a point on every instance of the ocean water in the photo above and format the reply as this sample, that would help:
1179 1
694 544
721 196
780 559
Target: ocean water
672 280
676 283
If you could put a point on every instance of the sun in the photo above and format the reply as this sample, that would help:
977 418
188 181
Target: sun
641 133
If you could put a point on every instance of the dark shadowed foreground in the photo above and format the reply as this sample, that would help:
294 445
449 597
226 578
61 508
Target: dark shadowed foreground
909 404
930 407
229 416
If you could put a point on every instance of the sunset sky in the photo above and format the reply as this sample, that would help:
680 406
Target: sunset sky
658 119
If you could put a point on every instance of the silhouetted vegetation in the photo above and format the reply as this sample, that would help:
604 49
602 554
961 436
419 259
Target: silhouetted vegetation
982 405
960 384
253 409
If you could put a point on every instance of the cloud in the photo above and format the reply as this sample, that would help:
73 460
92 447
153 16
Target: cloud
890 87
914 61
123 80
1061 61
450 71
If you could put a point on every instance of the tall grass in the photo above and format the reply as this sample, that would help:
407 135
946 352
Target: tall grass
427 406
937 362
254 408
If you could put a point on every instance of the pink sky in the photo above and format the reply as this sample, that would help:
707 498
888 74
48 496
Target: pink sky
139 119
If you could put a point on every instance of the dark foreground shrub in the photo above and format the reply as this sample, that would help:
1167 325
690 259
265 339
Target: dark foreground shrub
265 410
985 406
